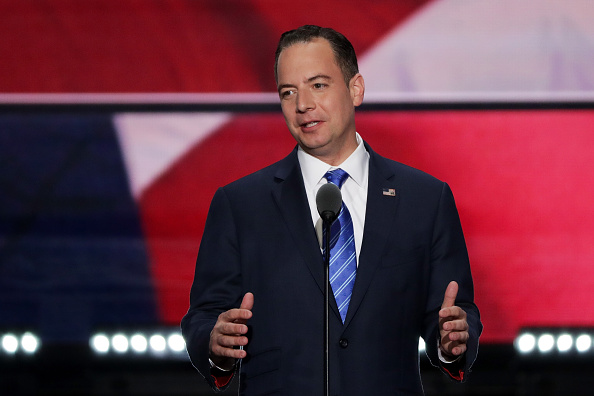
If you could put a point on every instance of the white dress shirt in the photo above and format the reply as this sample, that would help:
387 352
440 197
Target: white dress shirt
354 189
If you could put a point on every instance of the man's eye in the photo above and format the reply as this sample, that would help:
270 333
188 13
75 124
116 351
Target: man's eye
319 85
287 93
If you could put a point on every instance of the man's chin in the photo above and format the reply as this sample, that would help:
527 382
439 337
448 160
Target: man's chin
313 149
321 152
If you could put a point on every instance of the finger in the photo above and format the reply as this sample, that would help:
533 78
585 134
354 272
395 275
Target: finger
235 314
459 336
459 349
455 325
452 313
231 328
228 341
451 292
222 351
247 302
245 309
452 347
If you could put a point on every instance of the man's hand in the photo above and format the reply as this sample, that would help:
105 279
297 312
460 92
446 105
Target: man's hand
229 333
453 327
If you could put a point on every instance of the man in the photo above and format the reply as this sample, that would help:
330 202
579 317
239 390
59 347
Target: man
257 300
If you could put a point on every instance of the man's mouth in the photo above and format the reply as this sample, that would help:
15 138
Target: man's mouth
310 124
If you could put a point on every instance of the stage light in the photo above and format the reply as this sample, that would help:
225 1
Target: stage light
546 342
10 343
583 343
139 343
564 342
526 343
30 343
120 343
100 343
176 343
158 343
555 343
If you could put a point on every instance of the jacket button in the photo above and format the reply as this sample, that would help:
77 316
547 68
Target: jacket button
343 343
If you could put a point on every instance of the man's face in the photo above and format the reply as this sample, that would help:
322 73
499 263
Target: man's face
319 108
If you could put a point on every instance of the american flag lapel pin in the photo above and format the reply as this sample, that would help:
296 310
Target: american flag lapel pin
390 192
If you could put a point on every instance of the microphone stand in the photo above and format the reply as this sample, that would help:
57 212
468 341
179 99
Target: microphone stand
329 201
327 225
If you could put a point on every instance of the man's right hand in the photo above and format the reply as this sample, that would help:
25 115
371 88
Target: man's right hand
229 333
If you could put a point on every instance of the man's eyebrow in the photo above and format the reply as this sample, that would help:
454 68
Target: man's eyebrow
318 76
311 79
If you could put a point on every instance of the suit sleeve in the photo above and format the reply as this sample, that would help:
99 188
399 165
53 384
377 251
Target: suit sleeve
449 261
216 287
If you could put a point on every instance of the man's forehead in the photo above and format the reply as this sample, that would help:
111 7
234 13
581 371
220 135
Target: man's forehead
317 61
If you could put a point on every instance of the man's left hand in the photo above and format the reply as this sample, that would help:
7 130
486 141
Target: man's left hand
453 327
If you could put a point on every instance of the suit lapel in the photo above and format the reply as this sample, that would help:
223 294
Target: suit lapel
289 195
379 217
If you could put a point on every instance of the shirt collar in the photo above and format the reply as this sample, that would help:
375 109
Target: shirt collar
313 169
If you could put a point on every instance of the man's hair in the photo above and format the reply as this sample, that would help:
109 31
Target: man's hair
344 53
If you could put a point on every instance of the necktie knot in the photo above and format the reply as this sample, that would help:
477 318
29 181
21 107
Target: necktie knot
337 177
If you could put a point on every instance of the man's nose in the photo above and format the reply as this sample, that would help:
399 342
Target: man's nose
305 102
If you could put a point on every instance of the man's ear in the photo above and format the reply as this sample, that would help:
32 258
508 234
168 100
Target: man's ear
357 89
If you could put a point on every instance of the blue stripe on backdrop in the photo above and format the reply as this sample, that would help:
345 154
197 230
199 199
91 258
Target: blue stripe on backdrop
72 253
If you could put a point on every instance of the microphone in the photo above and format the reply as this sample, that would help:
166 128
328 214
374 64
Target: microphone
329 202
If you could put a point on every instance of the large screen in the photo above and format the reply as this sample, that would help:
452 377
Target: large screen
119 120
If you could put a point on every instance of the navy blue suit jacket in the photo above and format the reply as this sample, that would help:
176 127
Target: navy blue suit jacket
259 238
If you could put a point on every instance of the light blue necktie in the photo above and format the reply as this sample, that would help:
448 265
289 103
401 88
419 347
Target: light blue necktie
343 260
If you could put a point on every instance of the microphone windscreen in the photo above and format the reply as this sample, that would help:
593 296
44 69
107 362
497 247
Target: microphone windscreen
329 201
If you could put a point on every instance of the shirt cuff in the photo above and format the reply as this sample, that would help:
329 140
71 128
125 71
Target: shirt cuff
213 365
443 359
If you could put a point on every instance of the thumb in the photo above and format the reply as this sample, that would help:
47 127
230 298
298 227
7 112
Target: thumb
247 302
449 298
